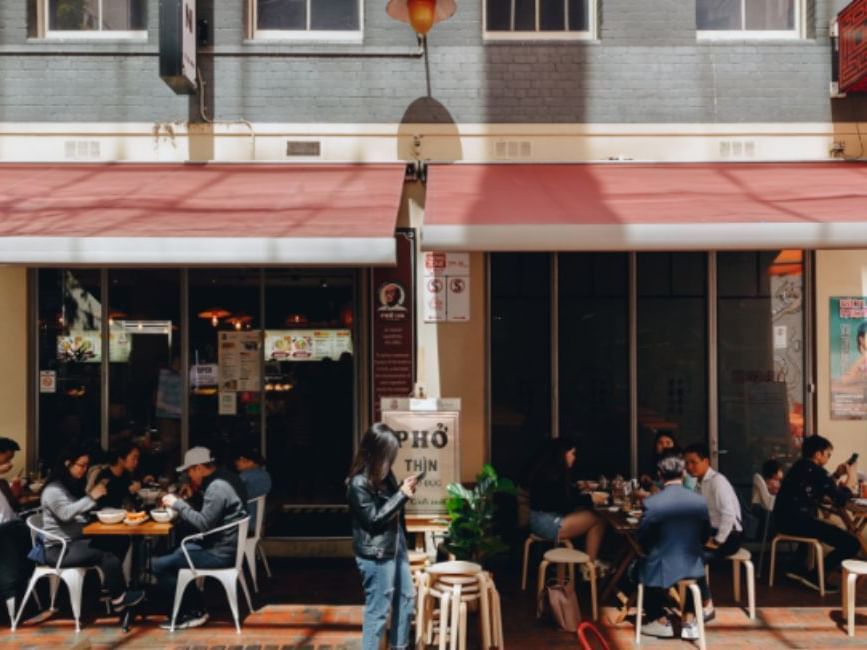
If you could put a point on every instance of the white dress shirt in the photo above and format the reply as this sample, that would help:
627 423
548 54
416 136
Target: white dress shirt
7 513
722 504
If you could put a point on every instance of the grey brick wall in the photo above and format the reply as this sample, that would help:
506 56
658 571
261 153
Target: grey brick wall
645 67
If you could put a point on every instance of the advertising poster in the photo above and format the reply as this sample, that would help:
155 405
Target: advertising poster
848 331
429 442
307 345
393 327
240 361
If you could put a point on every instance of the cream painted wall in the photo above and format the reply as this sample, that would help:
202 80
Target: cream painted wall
838 273
13 379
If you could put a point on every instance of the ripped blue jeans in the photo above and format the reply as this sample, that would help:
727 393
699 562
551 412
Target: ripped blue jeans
387 587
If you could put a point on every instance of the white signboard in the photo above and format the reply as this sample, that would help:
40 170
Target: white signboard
228 403
188 42
446 287
429 442
47 381
307 345
240 361
204 374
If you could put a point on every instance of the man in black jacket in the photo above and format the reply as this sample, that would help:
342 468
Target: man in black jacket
796 508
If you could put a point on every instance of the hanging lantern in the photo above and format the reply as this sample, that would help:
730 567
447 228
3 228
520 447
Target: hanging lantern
421 15
214 314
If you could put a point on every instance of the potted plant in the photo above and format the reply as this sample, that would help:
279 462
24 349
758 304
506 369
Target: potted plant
471 534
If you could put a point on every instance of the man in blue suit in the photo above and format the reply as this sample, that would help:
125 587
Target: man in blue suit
672 532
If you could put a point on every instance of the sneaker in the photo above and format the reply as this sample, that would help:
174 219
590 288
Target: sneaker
709 614
659 630
186 621
689 631
129 599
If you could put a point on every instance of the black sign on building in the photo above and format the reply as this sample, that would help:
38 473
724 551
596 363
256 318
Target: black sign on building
178 45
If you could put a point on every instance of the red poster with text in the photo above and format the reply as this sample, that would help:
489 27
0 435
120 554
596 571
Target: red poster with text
852 27
393 328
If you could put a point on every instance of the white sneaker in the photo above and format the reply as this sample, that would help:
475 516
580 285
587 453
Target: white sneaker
659 630
689 631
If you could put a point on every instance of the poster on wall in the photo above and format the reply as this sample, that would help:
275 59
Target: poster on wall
307 345
240 361
393 328
429 442
848 331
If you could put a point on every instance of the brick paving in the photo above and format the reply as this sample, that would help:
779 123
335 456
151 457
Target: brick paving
289 618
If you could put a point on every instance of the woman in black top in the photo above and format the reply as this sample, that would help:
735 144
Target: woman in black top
118 476
558 510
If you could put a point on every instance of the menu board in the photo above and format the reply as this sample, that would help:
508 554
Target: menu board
307 345
240 361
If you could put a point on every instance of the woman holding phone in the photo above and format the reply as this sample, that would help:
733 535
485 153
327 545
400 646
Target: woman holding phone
376 503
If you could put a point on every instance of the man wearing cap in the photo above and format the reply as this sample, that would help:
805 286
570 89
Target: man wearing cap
224 501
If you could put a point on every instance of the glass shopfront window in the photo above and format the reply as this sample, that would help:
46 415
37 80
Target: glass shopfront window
761 359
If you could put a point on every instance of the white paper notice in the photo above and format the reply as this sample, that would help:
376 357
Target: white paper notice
781 338
446 287
240 361
434 297
47 381
228 403
458 299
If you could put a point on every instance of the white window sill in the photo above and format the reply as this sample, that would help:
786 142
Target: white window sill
538 36
106 36
747 35
283 37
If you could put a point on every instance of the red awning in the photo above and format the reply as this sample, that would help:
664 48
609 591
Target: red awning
199 214
639 206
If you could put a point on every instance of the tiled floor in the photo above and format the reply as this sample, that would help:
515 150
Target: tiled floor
290 617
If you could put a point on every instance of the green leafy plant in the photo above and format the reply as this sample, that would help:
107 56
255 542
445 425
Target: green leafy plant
471 529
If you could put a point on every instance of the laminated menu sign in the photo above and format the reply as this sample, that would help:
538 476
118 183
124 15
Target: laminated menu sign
240 361
393 327
307 345
848 333
429 442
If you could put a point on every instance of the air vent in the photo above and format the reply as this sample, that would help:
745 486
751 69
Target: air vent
307 148
513 150
737 149
82 150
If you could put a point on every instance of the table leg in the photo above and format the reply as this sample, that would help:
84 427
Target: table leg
626 557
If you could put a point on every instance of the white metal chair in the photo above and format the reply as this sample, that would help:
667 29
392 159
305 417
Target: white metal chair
72 576
763 498
229 577
252 545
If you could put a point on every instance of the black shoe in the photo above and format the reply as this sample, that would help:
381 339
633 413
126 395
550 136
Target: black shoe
129 599
186 621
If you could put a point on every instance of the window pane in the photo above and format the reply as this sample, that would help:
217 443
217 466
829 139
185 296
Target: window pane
282 14
498 15
552 15
761 360
520 358
579 16
309 400
594 360
123 15
525 15
145 388
73 14
770 14
334 15
70 321
672 349
220 300
718 14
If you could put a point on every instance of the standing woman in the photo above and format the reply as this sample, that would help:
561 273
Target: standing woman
378 539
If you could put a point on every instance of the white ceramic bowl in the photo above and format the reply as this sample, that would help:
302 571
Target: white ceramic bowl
111 515
149 495
163 516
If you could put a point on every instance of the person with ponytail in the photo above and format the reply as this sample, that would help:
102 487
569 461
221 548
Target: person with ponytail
376 503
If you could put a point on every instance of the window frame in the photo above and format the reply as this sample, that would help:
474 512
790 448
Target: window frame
743 34
86 34
302 35
537 35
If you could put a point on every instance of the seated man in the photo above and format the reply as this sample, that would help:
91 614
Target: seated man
796 507
224 501
15 568
672 532
251 468
724 509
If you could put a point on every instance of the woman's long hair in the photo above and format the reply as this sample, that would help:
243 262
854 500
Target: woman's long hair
551 465
60 471
376 453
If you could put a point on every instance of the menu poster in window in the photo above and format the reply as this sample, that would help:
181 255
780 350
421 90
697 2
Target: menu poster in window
848 332
393 328
429 442
307 345
240 361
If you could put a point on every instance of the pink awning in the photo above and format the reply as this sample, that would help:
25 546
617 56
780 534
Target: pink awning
199 214
642 206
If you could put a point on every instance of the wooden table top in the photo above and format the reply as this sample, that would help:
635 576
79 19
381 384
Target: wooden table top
435 523
617 521
150 527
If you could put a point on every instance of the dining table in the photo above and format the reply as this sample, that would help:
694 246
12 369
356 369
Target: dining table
626 526
853 514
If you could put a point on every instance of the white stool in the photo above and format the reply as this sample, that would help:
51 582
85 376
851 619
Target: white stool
817 548
743 557
570 557
535 539
852 570
697 605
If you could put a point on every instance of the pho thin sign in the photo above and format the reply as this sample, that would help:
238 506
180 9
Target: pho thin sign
852 39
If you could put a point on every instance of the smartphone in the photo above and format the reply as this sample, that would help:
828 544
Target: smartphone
852 459
420 476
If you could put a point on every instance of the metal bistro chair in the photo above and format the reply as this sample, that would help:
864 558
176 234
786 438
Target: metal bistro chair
252 544
72 576
229 577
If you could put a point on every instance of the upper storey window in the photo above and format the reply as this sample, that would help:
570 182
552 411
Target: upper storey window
538 19
95 18
739 19
327 20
